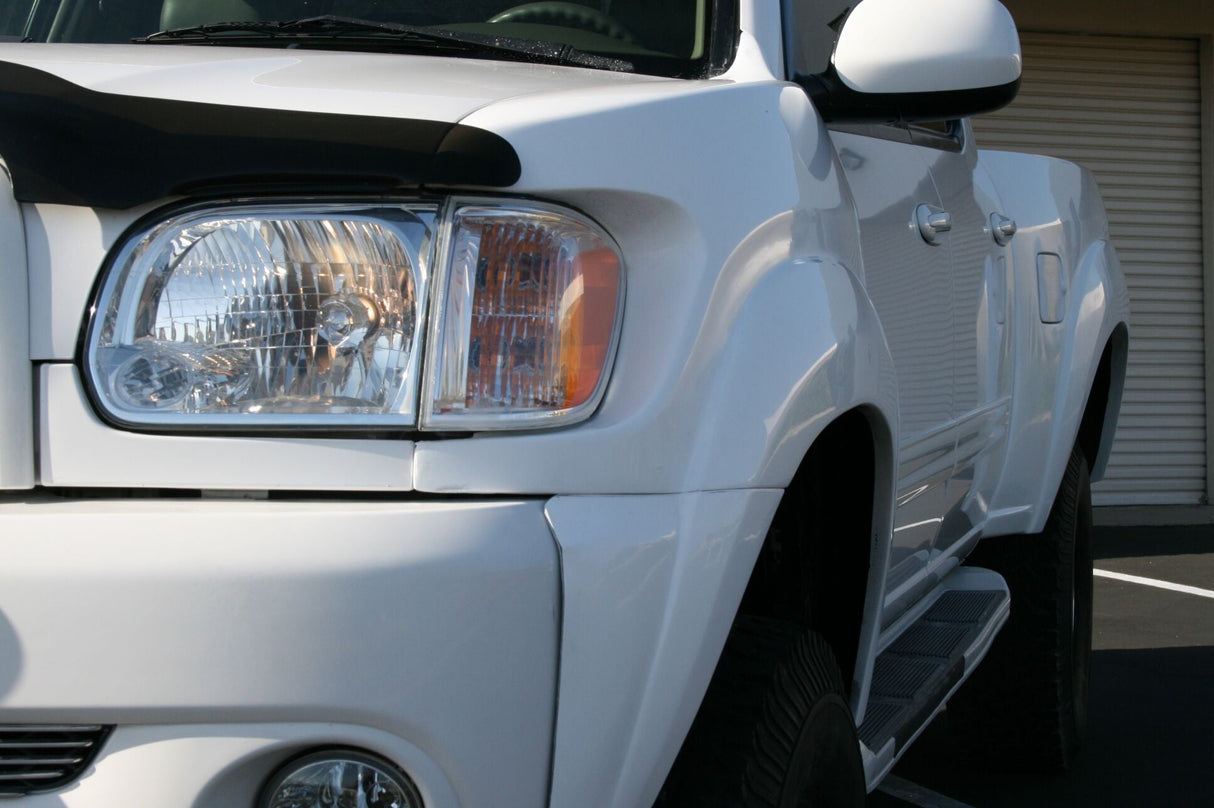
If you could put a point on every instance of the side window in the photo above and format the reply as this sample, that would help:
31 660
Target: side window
941 128
811 28
943 135
13 18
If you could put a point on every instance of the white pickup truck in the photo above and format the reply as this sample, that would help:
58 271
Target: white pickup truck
574 404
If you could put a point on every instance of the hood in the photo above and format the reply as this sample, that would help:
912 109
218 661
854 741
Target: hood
117 126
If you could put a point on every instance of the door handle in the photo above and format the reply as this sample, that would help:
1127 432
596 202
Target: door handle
933 222
1002 229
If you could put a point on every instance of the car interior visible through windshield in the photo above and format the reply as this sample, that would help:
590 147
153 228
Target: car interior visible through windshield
665 38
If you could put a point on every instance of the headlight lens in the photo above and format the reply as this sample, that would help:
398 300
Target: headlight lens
313 316
527 322
250 317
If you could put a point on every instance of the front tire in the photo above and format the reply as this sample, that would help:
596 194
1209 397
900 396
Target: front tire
1026 705
775 729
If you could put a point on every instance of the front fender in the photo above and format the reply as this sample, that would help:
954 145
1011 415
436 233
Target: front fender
803 346
651 585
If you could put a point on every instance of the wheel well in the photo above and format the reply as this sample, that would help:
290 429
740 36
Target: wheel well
813 568
1091 428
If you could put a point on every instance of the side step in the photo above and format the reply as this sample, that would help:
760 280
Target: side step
933 651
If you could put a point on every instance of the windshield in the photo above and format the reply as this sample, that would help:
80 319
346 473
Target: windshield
668 37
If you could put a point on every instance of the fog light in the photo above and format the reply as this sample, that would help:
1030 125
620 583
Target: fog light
340 778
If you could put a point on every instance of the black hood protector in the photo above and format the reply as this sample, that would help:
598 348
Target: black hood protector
70 145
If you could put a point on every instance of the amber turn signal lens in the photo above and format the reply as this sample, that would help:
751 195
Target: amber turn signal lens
532 304
588 322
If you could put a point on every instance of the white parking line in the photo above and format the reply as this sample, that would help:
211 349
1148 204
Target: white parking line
1135 579
916 794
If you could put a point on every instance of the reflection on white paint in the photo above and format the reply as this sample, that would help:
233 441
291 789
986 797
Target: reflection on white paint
913 525
913 494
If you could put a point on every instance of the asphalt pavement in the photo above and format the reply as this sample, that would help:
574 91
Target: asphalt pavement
1150 740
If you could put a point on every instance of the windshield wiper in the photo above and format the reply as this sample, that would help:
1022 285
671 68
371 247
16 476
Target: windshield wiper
317 31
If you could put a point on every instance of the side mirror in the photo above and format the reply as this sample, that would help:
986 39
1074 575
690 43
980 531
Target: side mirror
919 60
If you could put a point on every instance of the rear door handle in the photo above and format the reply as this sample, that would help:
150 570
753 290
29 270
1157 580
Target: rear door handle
1002 229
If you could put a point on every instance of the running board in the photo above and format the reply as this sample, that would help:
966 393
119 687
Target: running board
935 648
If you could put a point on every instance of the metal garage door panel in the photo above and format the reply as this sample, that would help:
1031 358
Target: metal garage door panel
1129 109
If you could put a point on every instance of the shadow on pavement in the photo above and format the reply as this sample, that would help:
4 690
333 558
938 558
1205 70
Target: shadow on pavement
1141 542
1150 742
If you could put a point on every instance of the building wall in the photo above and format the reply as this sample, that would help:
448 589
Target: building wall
1159 17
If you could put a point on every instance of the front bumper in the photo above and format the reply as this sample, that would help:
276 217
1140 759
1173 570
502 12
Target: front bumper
224 636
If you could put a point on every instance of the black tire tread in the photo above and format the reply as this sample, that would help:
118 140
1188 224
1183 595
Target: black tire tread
739 750
1017 711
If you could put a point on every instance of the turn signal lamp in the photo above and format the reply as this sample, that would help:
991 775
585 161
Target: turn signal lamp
527 320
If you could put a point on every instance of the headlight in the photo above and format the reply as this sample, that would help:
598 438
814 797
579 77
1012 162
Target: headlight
254 317
313 316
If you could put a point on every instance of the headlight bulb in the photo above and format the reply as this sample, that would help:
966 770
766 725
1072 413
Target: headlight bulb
345 321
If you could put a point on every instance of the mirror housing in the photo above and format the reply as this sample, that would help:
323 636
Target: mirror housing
900 61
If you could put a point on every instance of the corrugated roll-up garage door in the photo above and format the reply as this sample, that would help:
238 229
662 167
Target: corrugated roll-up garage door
1130 110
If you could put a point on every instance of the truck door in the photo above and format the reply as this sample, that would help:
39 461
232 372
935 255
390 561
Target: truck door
910 283
982 370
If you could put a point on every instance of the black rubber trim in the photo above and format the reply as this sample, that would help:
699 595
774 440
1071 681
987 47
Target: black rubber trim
724 33
33 733
836 102
70 145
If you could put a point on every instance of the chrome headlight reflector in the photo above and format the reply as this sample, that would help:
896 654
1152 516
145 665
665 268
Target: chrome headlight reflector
251 317
247 318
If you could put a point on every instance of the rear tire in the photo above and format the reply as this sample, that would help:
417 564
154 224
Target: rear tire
775 729
1026 705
